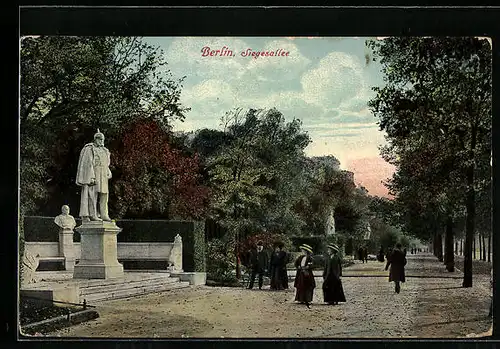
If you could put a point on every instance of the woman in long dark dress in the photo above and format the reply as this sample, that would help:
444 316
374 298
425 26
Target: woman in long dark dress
333 291
304 279
277 268
397 261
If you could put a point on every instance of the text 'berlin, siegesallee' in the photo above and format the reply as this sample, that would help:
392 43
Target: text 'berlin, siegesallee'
206 51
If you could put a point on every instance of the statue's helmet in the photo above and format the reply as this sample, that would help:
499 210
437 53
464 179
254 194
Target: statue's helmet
99 135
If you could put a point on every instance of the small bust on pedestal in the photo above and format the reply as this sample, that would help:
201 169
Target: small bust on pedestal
65 221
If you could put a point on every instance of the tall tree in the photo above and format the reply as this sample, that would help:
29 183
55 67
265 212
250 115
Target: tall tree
69 87
438 95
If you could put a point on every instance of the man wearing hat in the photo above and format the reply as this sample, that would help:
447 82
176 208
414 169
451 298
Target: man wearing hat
304 278
258 263
333 291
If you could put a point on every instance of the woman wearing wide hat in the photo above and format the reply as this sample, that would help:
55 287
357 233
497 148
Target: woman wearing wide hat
333 291
304 279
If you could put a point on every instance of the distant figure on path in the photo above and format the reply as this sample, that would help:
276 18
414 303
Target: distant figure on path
277 268
304 279
92 175
361 254
258 263
333 292
380 256
365 255
397 261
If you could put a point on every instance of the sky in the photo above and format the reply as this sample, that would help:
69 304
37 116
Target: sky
324 82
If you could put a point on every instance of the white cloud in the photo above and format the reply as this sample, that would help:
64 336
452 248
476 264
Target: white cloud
337 79
330 98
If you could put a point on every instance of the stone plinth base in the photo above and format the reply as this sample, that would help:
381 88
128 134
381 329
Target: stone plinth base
193 278
98 258
97 271
46 296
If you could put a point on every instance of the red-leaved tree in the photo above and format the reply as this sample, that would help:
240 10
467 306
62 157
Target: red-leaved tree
155 180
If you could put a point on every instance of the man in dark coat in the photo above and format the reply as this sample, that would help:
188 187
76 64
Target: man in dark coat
380 256
258 263
277 268
304 279
333 291
361 256
397 261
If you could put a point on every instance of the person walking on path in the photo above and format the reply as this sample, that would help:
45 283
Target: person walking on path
333 292
397 261
304 278
258 264
277 268
365 254
361 254
381 256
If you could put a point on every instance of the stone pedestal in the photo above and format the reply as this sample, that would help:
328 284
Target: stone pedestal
66 247
98 258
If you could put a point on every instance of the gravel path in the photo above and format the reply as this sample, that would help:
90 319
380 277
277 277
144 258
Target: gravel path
432 303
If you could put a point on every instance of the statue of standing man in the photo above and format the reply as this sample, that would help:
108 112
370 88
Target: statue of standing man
92 175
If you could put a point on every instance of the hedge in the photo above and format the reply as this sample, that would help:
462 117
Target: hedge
43 229
316 242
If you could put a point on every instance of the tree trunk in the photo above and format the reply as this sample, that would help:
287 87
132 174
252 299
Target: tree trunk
480 247
484 248
489 247
456 247
439 247
434 245
237 253
449 255
474 247
470 206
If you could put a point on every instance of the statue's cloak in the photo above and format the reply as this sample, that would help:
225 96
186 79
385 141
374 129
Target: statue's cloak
85 171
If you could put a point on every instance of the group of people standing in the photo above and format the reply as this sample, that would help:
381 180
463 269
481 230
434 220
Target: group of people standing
333 292
275 266
305 283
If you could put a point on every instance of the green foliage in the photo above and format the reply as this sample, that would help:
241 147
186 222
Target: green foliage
436 111
70 86
199 248
221 262
253 188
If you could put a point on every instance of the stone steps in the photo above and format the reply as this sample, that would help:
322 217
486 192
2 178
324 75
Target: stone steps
129 289
91 284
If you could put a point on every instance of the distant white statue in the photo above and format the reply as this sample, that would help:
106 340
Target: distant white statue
368 231
65 220
330 224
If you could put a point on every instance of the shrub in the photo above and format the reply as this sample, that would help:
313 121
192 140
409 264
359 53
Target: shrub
43 229
221 262
316 242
